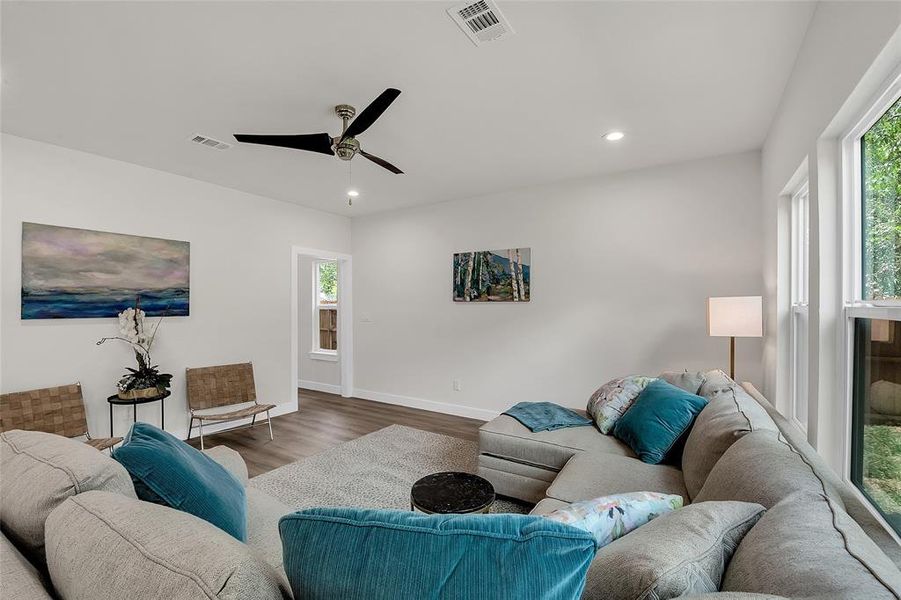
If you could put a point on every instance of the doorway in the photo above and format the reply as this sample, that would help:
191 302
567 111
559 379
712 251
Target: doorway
321 321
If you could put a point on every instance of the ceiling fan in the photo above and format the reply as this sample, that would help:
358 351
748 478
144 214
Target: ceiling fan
345 146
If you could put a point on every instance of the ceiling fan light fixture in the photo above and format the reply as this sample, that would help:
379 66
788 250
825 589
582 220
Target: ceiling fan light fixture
353 193
345 146
614 136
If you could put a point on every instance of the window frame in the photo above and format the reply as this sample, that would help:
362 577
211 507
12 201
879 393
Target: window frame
853 305
317 352
799 273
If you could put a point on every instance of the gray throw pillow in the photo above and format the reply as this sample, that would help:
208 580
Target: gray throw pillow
105 546
729 415
760 467
690 381
40 470
679 553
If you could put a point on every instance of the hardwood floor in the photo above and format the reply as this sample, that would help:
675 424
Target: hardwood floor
326 420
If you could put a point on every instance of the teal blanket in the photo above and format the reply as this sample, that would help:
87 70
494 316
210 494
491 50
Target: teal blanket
546 416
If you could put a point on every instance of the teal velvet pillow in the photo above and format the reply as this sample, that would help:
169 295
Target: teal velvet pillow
357 553
167 471
657 419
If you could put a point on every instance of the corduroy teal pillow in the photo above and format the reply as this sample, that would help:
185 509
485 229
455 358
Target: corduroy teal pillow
657 419
167 471
357 553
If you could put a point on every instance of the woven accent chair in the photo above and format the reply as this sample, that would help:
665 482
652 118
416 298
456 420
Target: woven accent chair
58 410
221 386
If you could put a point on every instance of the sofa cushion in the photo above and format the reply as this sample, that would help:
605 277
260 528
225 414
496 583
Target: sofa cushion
589 475
19 579
657 420
848 496
690 381
402 554
611 401
166 470
759 468
608 518
106 547
40 470
548 505
807 546
716 383
231 460
516 479
730 414
505 437
263 514
678 553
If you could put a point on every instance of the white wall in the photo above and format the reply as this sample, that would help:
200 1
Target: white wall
240 275
622 266
846 52
315 374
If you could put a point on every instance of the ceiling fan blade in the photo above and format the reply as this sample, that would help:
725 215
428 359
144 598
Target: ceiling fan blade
314 142
382 163
372 112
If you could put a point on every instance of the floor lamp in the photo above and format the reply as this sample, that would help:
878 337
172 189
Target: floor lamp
732 317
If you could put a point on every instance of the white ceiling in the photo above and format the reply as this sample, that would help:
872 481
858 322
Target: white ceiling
134 80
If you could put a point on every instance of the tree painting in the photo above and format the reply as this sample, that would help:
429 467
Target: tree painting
493 275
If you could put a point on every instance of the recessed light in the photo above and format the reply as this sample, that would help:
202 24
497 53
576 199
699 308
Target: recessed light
614 136
353 193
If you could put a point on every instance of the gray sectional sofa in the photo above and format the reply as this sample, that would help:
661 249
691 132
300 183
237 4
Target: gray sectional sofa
74 529
816 540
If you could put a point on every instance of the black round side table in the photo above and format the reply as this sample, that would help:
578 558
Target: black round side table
452 493
115 400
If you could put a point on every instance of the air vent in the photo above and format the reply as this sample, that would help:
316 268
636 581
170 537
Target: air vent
481 21
210 142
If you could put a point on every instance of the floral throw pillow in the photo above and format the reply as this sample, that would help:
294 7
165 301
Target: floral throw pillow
611 517
614 398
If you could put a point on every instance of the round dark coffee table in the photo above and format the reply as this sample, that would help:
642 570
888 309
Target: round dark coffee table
451 493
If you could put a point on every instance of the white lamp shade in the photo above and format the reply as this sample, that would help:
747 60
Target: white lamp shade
735 316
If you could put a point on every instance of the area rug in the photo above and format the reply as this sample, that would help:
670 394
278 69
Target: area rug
376 470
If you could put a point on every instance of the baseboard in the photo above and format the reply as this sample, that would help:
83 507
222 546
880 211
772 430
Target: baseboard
430 405
280 409
319 387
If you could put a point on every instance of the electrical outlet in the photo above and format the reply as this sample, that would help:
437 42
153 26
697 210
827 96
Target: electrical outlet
457 386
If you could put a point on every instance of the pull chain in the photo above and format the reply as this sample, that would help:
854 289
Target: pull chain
350 184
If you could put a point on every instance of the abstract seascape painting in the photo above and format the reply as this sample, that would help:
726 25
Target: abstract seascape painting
493 275
70 273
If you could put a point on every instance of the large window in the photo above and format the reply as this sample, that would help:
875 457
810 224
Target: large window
325 303
875 314
800 261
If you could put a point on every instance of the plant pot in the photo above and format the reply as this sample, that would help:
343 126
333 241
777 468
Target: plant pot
139 393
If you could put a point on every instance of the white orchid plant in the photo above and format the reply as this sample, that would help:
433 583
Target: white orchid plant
137 332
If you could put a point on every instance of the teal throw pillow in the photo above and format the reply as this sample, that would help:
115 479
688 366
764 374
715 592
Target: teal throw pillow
657 419
358 553
167 471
